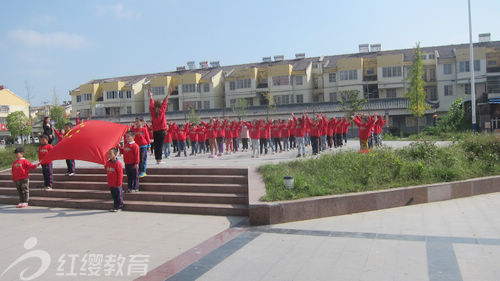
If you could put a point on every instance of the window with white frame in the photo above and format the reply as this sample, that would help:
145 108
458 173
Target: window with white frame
285 99
129 110
370 71
4 108
464 66
298 80
424 56
189 88
86 97
391 71
447 69
158 91
348 75
467 89
198 105
432 56
281 80
448 90
206 104
332 77
111 95
232 85
243 83
78 98
390 93
277 99
249 101
299 99
333 96
431 93
129 94
206 87
120 94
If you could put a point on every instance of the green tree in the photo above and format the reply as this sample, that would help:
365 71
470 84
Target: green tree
456 119
416 93
351 102
18 124
58 115
240 107
193 117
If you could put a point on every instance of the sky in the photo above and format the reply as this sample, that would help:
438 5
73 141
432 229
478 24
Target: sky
57 45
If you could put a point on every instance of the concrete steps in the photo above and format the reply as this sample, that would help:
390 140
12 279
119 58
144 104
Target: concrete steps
210 191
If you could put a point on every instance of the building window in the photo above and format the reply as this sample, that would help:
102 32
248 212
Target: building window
424 56
431 93
277 99
243 83
4 108
333 96
85 97
464 66
492 62
390 93
232 85
392 71
198 105
348 75
120 94
189 88
158 91
206 104
432 56
467 89
249 101
78 98
432 74
285 99
448 90
206 87
129 94
129 110
281 80
370 71
332 77
298 80
299 99
447 68
111 95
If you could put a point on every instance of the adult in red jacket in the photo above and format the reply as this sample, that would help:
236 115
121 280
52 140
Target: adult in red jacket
228 138
365 125
157 110
254 133
300 133
332 123
265 135
293 128
345 129
379 129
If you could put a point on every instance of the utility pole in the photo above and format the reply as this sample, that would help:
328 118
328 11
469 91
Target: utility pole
471 68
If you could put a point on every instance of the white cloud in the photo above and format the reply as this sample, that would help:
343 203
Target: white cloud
33 38
117 10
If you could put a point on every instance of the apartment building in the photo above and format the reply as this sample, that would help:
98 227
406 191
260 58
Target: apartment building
380 75
10 102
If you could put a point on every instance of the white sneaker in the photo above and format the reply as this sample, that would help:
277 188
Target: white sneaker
71 174
48 188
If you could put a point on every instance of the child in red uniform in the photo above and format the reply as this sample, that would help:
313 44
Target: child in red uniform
212 135
131 158
276 134
236 130
265 135
46 168
182 133
228 138
345 129
168 141
193 138
202 138
365 125
254 133
142 139
285 135
221 130
20 176
114 173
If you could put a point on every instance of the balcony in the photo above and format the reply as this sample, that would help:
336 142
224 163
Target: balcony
370 78
262 86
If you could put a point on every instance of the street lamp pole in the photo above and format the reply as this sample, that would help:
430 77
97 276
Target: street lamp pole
471 68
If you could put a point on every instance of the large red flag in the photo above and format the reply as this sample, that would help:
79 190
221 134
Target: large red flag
88 141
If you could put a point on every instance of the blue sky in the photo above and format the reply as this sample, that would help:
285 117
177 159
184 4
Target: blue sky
62 44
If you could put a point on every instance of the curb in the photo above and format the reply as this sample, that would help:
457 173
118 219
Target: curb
264 213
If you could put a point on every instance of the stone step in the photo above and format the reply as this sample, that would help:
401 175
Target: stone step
161 171
241 179
187 197
144 186
141 206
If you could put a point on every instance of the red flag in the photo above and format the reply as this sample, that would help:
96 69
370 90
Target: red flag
89 141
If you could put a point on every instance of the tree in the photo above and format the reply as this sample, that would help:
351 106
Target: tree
456 119
240 107
193 117
58 115
18 124
416 93
351 102
270 105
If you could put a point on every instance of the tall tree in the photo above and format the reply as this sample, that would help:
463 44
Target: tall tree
416 93
58 115
193 117
351 102
18 124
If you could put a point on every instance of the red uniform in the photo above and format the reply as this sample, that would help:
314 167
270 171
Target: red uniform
182 133
43 150
300 131
285 131
276 130
221 130
142 137
21 169
193 134
345 128
265 130
202 133
254 130
114 172
340 127
364 128
379 126
211 129
236 129
315 126
159 121
130 153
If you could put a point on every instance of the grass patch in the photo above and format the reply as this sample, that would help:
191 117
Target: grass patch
425 136
420 163
7 155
